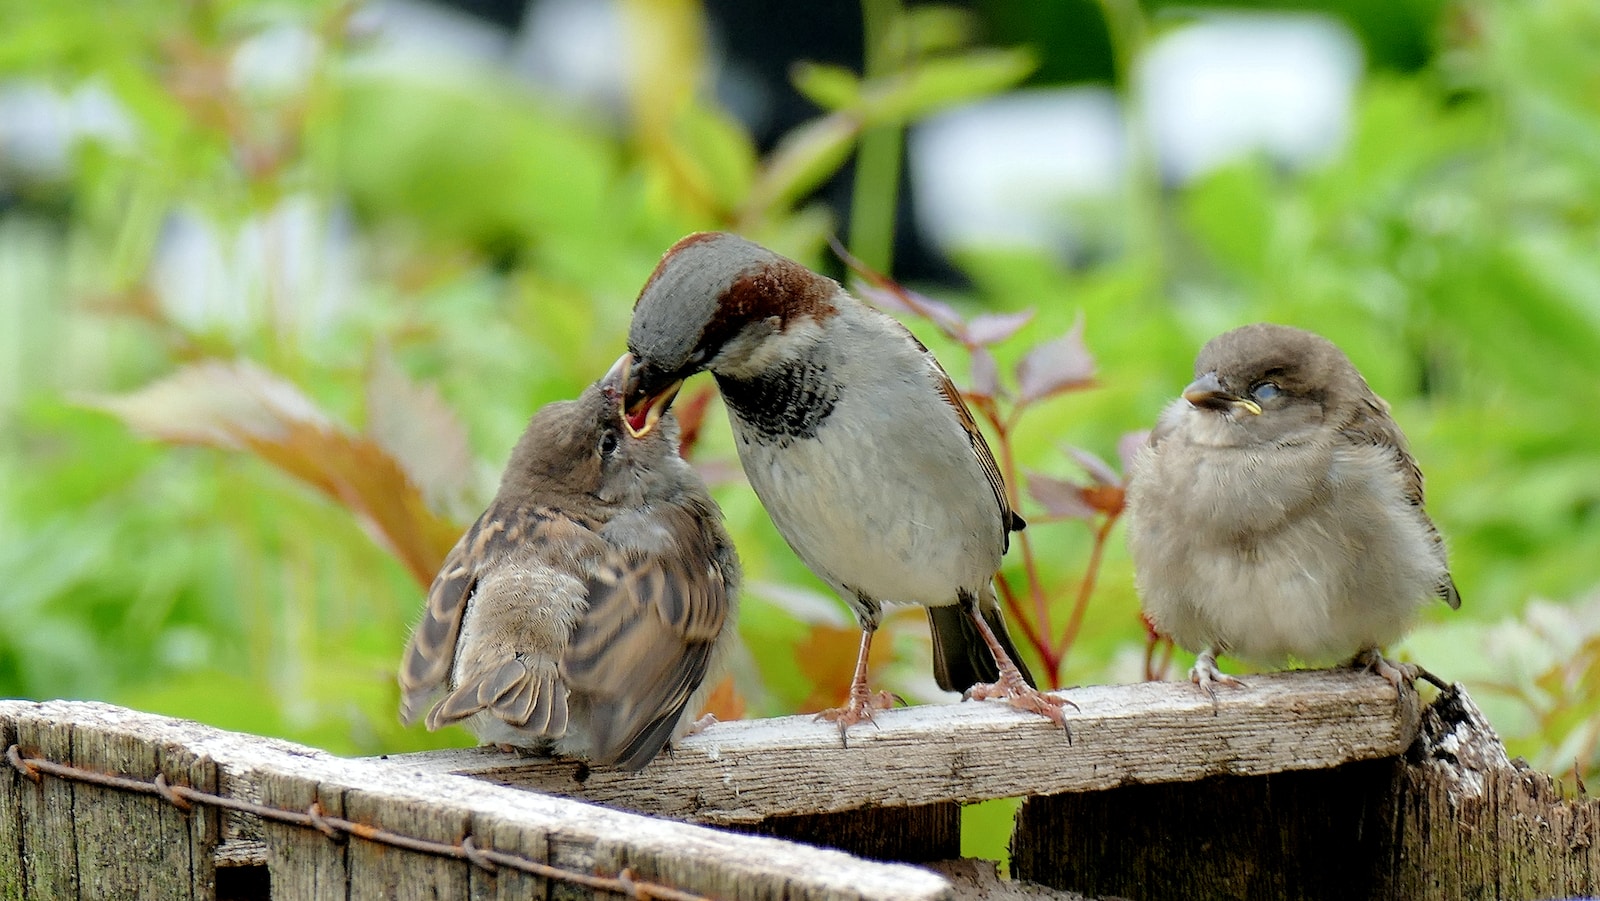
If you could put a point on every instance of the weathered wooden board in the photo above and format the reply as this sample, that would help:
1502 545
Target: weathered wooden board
1453 819
1306 835
1153 732
573 835
76 840
1468 823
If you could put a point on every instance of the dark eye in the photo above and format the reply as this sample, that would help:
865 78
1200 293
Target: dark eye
1262 392
608 443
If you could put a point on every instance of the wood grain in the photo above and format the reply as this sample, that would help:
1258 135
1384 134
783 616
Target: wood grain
1153 732
692 858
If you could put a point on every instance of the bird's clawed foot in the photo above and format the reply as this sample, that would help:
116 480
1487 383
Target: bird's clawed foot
1205 674
1400 675
1019 694
706 721
859 709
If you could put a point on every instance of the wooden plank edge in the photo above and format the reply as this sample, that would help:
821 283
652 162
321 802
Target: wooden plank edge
699 856
1150 732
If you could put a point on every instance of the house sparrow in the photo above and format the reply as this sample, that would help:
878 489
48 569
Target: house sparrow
585 607
1275 512
855 440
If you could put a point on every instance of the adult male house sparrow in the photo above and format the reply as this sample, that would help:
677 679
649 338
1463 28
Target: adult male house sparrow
1277 513
584 608
855 440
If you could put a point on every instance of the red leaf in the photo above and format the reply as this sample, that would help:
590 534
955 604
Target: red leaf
691 416
240 406
888 294
1097 468
1056 366
897 299
985 375
1129 445
992 328
1060 498
418 429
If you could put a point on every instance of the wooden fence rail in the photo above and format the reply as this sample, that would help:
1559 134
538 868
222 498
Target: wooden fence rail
1303 785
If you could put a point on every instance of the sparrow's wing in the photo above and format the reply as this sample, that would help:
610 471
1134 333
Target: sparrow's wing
980 447
500 544
1371 425
519 617
645 644
431 651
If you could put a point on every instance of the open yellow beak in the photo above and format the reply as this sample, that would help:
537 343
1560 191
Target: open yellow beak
640 417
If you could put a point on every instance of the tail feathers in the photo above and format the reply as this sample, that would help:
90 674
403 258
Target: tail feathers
1448 593
961 657
627 729
531 699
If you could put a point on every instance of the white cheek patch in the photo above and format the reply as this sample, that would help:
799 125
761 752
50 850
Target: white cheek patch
761 346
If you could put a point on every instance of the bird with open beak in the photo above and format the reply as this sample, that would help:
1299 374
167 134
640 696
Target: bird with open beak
584 610
856 442
1277 514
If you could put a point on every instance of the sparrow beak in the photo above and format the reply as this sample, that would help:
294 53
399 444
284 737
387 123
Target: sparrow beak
1207 393
640 414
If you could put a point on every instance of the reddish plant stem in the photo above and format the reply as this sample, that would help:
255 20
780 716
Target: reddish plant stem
1030 564
1091 575
1009 598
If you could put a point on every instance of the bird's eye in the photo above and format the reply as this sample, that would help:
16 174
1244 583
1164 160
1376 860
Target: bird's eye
608 443
1262 392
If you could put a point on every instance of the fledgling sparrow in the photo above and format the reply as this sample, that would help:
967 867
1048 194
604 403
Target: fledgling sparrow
1276 512
586 606
856 442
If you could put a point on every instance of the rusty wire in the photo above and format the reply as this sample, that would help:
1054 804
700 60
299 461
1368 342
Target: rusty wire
339 829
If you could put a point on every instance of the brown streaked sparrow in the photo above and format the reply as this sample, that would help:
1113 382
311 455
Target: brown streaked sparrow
1276 512
856 442
583 610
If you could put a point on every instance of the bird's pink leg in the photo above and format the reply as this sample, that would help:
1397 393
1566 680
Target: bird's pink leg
862 701
1011 686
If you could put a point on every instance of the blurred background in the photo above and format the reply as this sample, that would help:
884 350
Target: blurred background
281 282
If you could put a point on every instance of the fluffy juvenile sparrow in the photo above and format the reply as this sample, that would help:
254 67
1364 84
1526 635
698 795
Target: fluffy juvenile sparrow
585 607
1276 512
855 440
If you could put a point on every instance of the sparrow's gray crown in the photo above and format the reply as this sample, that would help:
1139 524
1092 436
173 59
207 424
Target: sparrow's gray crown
705 292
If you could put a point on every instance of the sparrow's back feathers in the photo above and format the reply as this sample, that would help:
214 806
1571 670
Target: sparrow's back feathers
587 604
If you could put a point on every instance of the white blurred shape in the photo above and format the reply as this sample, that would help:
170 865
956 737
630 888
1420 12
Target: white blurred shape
292 266
1004 171
275 62
578 48
1235 84
40 127
408 34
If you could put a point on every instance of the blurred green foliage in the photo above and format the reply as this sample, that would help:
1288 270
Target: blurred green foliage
384 235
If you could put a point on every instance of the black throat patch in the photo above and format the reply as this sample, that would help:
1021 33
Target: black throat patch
783 405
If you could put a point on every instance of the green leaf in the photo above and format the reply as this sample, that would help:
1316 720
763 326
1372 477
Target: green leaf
934 84
805 158
934 29
828 86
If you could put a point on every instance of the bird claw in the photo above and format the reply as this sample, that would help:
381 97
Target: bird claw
705 722
1205 674
859 709
1400 675
1019 694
